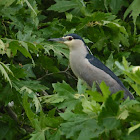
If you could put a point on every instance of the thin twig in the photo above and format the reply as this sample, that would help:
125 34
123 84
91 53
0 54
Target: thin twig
11 113
44 92
65 71
4 27
60 110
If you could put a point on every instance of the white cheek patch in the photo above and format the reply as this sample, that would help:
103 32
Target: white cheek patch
69 42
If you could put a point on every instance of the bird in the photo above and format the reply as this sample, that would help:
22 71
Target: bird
88 68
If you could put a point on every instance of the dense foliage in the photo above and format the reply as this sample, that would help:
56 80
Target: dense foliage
40 98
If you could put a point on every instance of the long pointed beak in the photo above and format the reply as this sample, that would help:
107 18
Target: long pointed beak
60 40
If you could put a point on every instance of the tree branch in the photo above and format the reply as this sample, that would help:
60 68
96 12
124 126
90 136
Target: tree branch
65 71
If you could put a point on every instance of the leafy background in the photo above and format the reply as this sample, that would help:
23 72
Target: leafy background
40 98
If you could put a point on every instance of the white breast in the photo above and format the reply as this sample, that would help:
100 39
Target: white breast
77 58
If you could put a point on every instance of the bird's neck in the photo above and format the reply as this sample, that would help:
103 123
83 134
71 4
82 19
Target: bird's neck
77 59
79 52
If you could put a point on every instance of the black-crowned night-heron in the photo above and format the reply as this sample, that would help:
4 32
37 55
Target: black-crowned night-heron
88 68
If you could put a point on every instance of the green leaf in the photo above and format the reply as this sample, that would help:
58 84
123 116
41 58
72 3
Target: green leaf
65 97
27 90
63 5
37 104
32 117
59 50
123 115
2 47
6 131
111 123
108 115
6 94
125 63
18 71
76 124
111 107
100 43
135 11
47 63
116 5
68 16
124 40
29 5
134 111
96 96
63 89
81 86
53 122
51 113
114 25
119 65
53 136
90 107
53 99
136 87
105 90
15 46
28 69
135 76
3 69
133 128
39 135
136 49
69 104
109 62
31 84
6 3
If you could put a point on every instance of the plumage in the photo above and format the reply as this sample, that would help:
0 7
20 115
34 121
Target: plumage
89 68
97 63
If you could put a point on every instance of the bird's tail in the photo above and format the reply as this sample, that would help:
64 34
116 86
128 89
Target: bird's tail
128 94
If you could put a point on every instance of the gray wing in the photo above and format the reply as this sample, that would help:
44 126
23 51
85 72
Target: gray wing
97 63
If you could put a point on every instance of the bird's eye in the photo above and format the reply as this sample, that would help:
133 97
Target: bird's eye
70 38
